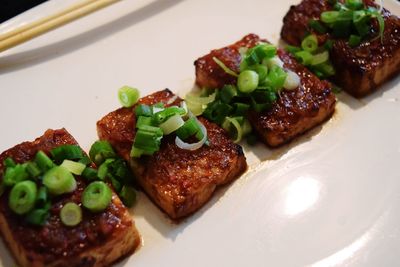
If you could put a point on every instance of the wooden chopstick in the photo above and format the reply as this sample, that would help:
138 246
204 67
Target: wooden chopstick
39 27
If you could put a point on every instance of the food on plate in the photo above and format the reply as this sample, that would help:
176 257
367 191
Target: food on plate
53 212
267 86
179 162
363 40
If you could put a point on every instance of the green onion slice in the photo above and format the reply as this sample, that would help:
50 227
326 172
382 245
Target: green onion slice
193 146
292 80
74 167
329 17
224 67
172 124
71 214
15 175
37 216
320 58
59 180
100 151
247 81
43 161
128 96
97 196
232 126
22 197
189 128
9 162
310 43
66 152
128 195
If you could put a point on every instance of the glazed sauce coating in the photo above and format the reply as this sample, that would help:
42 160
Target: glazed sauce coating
178 180
54 241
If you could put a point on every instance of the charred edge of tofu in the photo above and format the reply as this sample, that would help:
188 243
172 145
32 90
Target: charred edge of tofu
54 243
178 181
359 70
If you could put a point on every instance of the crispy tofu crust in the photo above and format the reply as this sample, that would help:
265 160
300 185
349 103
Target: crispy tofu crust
294 113
359 70
178 181
99 240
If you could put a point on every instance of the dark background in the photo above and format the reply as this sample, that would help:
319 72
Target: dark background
11 8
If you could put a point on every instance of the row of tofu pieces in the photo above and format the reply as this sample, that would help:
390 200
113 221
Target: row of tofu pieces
181 181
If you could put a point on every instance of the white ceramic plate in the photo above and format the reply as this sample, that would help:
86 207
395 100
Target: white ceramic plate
331 198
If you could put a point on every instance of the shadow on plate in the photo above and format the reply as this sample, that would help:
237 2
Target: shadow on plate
26 59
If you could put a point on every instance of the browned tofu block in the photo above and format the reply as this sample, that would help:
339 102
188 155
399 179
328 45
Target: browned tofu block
359 70
178 181
294 113
99 240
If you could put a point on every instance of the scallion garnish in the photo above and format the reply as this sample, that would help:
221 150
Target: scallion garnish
128 96
72 152
59 180
71 214
224 67
97 196
22 197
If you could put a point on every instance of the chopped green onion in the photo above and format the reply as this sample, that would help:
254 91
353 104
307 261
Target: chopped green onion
227 93
89 173
22 197
37 216
128 96
172 124
263 51
329 17
320 58
217 111
354 40
71 214
143 120
9 162
41 198
292 81
136 152
317 26
247 81
85 160
232 126
100 151
66 152
128 195
310 43
261 70
163 115
276 78
328 44
59 180
148 139
189 128
240 109
304 57
116 184
43 161
97 196
292 49
224 67
74 167
197 103
143 110
103 169
193 146
341 28
15 175
354 4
